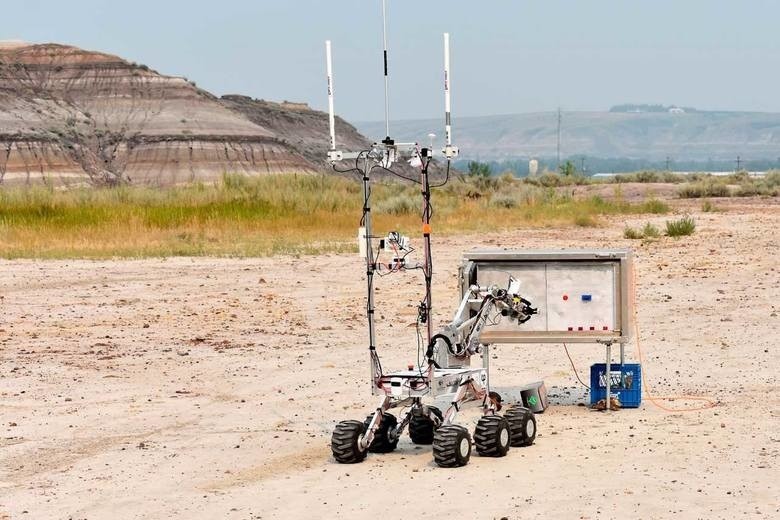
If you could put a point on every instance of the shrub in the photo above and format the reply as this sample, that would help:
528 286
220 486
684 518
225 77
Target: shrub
646 176
772 179
503 200
398 205
478 169
632 233
650 231
708 207
681 227
760 188
585 220
705 188
650 176
647 231
554 180
655 206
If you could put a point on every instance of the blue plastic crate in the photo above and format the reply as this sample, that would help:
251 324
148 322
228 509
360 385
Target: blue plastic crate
628 389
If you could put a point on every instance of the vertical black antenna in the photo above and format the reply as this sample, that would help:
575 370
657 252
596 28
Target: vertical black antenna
384 57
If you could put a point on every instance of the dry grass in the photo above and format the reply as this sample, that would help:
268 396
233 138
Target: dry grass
269 215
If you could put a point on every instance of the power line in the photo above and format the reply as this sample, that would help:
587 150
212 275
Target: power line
559 138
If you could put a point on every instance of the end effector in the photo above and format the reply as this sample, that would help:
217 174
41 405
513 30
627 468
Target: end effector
511 304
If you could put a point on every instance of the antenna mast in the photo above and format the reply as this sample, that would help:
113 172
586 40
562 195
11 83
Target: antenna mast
334 155
331 117
449 150
387 82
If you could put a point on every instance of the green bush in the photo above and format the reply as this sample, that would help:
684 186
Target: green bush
681 227
503 200
554 180
585 220
632 233
655 206
647 231
708 207
398 205
650 176
704 188
650 231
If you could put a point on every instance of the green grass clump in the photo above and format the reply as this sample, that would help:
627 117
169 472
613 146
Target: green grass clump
704 188
739 184
650 176
403 204
555 180
646 232
650 231
503 200
681 227
632 233
655 207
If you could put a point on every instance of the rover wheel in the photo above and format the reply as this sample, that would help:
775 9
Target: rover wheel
345 442
451 446
522 426
492 436
385 437
421 427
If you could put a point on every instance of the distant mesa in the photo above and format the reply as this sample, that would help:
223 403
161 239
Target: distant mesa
12 44
645 108
631 131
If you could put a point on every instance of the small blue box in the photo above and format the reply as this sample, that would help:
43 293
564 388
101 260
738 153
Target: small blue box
587 297
626 385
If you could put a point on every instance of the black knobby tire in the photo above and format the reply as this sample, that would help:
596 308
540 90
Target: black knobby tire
492 436
385 438
421 427
345 442
451 446
522 426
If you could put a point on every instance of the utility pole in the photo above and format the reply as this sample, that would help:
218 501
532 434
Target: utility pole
559 138
737 170
582 164
667 163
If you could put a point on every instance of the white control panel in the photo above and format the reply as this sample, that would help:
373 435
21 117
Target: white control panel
581 296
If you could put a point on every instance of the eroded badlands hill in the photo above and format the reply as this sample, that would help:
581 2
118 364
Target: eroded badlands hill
68 115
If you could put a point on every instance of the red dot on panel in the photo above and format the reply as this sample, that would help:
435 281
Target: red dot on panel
565 297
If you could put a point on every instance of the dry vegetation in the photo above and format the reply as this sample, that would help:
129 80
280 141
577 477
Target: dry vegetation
695 185
243 216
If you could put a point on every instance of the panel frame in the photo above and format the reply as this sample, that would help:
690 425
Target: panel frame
621 258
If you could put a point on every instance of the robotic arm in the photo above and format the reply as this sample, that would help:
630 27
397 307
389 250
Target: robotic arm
460 338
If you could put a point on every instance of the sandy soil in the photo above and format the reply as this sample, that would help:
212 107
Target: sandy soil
207 388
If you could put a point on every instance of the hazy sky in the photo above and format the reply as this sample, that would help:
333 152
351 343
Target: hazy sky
507 56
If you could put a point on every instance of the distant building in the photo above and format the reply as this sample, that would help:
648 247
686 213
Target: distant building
533 167
676 110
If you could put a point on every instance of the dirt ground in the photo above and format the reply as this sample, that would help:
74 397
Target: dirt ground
208 388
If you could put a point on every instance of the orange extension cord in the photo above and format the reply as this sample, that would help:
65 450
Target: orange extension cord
654 399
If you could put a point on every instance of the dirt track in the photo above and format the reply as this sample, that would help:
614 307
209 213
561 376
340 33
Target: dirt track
207 388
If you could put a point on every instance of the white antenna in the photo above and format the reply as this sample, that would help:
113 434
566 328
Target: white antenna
331 117
333 154
449 150
384 49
